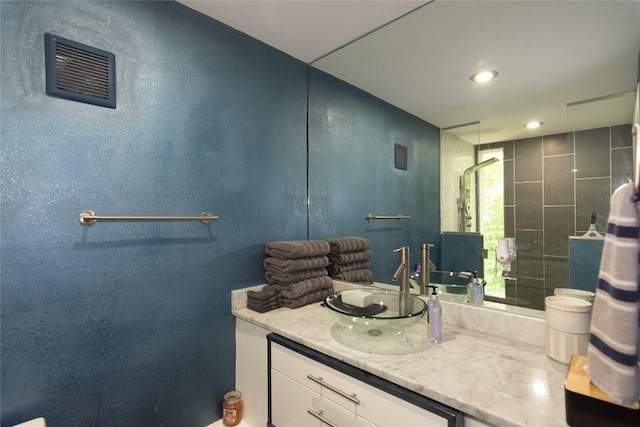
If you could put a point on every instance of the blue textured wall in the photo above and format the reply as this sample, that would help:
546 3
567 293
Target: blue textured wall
352 173
129 324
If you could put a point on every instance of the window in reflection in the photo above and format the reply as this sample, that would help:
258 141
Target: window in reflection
491 218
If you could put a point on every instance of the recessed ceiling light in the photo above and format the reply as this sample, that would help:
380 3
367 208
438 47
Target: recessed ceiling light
533 125
484 76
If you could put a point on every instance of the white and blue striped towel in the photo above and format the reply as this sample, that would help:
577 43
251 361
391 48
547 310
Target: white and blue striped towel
615 332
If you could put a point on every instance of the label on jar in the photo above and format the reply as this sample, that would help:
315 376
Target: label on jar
229 416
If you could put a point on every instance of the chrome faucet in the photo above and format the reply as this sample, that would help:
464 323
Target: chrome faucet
403 270
425 262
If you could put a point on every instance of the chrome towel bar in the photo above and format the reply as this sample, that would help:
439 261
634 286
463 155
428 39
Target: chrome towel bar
89 217
371 217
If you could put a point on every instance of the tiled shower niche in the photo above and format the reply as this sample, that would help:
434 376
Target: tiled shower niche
553 184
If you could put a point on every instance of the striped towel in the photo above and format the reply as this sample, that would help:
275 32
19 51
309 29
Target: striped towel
614 337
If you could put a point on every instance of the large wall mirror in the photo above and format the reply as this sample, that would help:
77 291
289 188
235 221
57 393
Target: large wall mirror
571 65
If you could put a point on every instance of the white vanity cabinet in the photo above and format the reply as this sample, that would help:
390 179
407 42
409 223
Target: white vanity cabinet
308 388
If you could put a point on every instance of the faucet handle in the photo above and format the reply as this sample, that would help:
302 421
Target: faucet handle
401 249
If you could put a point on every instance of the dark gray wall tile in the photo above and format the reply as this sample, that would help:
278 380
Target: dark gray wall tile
592 153
508 150
558 180
528 157
529 254
528 205
557 144
530 293
510 290
622 159
621 136
549 202
508 182
509 221
556 273
592 195
559 224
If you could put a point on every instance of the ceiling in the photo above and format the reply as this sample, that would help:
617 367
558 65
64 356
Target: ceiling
419 55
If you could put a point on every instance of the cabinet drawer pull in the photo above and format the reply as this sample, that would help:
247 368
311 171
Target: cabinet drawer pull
319 416
319 380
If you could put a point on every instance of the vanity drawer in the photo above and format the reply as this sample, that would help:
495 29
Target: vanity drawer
294 405
315 376
357 397
296 366
289 403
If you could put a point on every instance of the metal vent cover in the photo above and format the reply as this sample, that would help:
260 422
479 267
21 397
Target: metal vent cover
79 72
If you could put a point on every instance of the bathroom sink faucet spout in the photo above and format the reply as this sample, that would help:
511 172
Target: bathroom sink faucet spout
425 261
403 269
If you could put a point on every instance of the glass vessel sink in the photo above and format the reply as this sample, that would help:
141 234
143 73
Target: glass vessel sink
386 313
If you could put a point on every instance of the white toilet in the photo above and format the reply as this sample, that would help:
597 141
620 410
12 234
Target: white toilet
38 422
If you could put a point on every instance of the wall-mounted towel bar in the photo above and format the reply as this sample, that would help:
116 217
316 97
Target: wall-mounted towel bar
371 217
89 217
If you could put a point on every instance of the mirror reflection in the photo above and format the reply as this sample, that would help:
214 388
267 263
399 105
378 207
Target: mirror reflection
499 185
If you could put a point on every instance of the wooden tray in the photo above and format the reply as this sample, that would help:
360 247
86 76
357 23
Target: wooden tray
587 405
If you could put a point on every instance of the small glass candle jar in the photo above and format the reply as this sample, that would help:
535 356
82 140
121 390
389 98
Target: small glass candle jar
232 408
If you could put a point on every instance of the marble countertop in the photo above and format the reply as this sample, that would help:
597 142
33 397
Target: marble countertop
497 380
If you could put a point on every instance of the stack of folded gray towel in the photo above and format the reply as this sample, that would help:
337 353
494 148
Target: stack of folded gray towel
266 299
349 259
297 269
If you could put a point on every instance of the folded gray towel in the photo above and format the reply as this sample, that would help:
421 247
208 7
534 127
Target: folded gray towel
266 293
294 249
348 257
283 266
277 297
307 299
294 276
334 268
348 244
360 276
305 287
265 307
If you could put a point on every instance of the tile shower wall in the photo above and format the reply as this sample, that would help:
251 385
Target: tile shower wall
553 184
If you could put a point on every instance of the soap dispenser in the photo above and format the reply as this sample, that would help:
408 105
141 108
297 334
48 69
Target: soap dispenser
435 317
476 290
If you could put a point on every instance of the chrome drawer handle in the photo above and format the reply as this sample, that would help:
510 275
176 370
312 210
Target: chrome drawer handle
319 380
319 416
